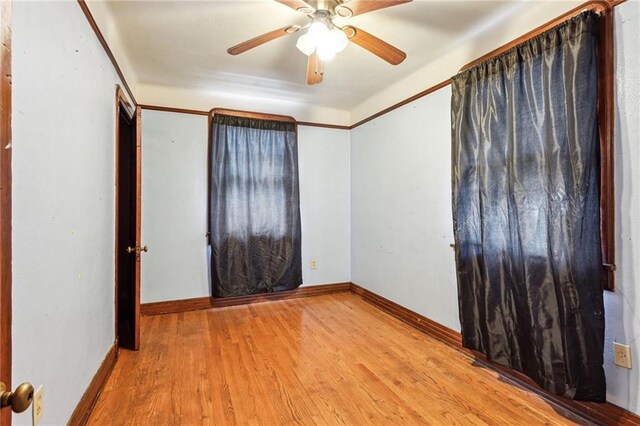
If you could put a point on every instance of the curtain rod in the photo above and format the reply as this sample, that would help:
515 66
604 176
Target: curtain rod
251 114
599 6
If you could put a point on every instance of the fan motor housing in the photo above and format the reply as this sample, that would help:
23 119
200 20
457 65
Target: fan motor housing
334 7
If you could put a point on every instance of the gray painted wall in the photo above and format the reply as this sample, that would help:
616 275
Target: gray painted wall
63 204
174 206
401 224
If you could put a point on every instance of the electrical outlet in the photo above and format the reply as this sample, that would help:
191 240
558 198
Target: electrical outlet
37 406
314 264
622 355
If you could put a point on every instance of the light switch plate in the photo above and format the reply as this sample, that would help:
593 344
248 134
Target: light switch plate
622 355
37 406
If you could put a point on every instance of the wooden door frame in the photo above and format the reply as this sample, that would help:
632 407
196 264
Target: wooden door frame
122 103
5 201
136 331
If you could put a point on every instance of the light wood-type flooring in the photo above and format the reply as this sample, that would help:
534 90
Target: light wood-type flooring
325 360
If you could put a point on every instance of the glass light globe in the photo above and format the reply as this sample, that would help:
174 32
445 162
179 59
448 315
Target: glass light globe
318 30
339 40
326 52
306 44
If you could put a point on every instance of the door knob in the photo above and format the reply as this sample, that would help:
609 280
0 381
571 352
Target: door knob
137 249
19 400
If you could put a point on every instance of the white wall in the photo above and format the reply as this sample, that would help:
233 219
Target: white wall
401 224
401 210
622 308
174 205
323 158
63 203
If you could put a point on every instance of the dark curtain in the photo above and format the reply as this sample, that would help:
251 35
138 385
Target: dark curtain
526 209
255 208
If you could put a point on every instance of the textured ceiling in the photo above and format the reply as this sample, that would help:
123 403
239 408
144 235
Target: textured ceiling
182 44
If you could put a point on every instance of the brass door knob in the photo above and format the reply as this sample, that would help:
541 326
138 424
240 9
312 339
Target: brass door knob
137 249
19 400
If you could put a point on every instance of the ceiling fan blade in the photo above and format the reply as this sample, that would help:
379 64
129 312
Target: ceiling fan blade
358 7
299 5
261 39
373 44
315 69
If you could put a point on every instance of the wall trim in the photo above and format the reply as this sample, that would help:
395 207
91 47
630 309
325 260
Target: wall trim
312 290
313 124
199 112
600 413
175 306
172 109
85 406
105 46
403 103
199 303
420 322
324 125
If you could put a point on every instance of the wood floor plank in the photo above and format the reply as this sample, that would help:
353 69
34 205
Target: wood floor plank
325 360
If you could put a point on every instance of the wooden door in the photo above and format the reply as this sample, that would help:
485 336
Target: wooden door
128 248
5 202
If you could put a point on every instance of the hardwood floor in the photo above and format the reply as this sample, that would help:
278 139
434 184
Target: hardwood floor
327 360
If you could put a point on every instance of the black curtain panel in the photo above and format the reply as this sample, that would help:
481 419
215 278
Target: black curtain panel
255 208
526 209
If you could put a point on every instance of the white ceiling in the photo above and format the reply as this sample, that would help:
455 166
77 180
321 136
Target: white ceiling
182 45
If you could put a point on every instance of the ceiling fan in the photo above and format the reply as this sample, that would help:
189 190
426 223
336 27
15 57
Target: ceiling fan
324 38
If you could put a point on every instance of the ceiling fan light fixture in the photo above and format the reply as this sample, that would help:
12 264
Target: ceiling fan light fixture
306 44
326 52
324 39
338 39
318 30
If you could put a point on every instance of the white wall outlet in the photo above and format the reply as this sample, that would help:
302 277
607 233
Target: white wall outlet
314 264
622 355
37 406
